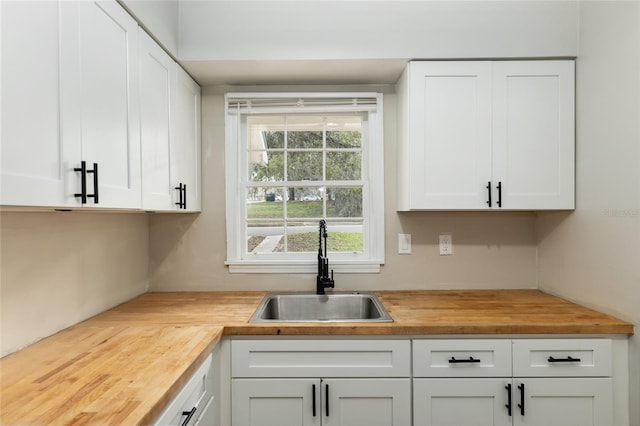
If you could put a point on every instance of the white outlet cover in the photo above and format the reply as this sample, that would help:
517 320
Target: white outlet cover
446 244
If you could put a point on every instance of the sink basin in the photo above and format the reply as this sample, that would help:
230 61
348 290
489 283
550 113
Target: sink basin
335 307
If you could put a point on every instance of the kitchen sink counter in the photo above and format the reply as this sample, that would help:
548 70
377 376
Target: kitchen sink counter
124 365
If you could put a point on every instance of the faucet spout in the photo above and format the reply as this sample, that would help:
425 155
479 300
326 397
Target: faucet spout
322 279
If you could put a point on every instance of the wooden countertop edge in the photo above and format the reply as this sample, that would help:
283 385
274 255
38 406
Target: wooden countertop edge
173 390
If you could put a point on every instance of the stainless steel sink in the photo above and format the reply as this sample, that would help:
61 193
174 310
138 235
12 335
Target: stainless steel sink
334 307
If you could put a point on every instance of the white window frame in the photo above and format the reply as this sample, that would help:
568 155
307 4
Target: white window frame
373 190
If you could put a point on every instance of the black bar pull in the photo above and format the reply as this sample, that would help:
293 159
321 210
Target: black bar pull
488 193
189 414
95 183
184 197
567 359
313 397
521 405
508 388
180 194
83 182
458 361
327 401
499 194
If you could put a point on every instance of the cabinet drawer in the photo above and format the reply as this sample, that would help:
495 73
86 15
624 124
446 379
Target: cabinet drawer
320 358
194 396
462 358
562 358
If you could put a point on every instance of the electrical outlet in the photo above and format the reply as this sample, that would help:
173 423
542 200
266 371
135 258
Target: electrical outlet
404 243
446 244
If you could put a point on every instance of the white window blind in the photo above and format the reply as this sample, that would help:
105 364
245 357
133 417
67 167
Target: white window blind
304 103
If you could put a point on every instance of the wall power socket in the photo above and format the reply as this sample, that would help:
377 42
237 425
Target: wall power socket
446 244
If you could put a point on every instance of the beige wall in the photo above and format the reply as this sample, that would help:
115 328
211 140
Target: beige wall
592 255
57 269
491 250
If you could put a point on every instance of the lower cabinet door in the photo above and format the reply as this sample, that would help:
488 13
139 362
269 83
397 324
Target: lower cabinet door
275 402
371 402
457 402
563 402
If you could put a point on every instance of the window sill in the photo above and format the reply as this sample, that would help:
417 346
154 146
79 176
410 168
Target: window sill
302 267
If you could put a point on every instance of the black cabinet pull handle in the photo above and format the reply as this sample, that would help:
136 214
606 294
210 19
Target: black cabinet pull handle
83 182
499 194
508 388
458 361
313 397
567 359
184 197
189 414
95 183
180 195
488 193
327 401
521 405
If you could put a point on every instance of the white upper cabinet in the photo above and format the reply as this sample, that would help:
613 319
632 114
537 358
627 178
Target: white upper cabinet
477 135
100 92
33 169
170 132
156 76
70 134
186 134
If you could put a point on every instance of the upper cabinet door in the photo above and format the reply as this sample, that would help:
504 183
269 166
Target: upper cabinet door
100 86
449 134
479 135
533 133
33 169
185 147
156 81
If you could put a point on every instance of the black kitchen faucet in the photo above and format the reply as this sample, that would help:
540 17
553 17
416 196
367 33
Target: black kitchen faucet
322 280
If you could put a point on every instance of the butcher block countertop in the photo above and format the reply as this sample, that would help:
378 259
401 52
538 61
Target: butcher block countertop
124 365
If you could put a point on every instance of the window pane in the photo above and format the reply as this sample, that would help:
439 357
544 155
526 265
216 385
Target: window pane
266 166
265 132
345 237
304 203
302 236
265 236
344 202
304 132
344 132
265 202
344 165
304 166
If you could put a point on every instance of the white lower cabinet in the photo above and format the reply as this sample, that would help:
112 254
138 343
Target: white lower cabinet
321 382
548 382
453 402
294 402
193 404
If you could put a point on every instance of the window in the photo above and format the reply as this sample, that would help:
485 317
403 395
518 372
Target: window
294 159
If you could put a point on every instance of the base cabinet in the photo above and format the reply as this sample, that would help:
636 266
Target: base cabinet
448 402
522 402
321 382
327 402
522 382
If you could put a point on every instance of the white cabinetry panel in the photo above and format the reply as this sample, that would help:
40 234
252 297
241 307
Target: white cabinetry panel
106 89
462 358
456 402
33 153
321 358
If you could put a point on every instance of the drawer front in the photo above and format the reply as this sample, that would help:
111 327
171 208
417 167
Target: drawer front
462 358
320 358
192 399
562 358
